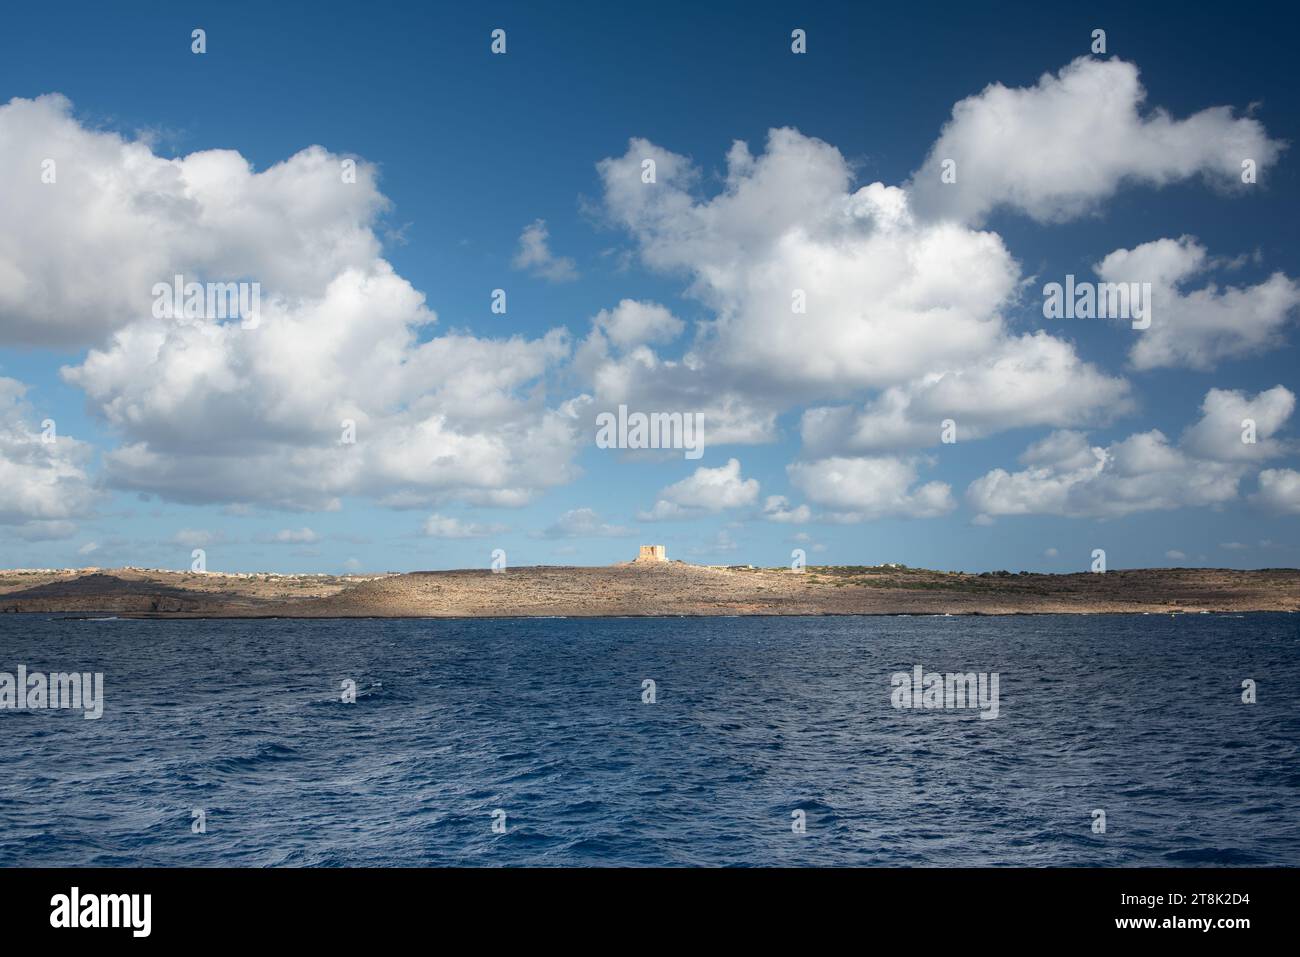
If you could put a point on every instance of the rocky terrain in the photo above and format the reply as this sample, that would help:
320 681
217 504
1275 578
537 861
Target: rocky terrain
654 588
157 591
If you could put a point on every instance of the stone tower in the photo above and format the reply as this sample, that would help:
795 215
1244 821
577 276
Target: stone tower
652 553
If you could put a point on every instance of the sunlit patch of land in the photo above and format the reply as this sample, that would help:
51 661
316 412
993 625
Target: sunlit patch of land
662 588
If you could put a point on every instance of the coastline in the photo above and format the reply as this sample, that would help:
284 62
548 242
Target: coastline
651 590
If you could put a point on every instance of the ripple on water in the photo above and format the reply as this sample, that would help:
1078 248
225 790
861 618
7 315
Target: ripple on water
755 718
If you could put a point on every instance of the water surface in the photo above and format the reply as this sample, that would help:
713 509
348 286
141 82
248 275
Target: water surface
754 718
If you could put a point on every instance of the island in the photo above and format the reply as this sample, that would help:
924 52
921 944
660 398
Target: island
651 585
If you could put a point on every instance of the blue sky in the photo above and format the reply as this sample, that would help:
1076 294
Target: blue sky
461 150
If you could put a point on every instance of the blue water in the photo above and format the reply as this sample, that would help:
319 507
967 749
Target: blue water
755 718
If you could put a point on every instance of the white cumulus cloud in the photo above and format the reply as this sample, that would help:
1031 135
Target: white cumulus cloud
706 489
584 523
860 488
820 291
535 256
1056 149
215 412
1279 490
79 257
1065 475
1196 328
45 484
445 526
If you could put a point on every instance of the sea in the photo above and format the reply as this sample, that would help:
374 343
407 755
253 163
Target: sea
1119 740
